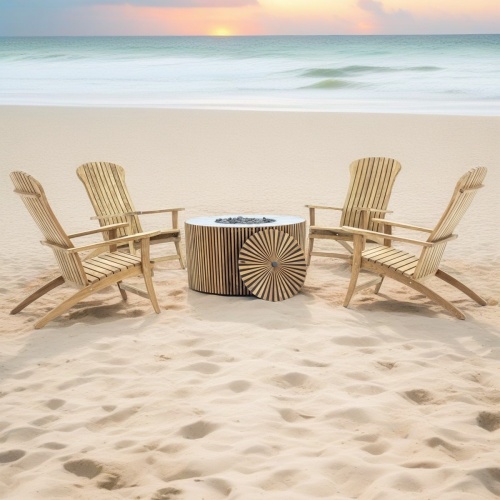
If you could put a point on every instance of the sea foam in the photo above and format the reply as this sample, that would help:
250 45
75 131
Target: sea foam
446 74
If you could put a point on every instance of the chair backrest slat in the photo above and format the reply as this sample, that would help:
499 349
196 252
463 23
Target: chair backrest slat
33 196
370 186
465 191
108 193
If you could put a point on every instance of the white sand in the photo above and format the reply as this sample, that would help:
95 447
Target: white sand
233 397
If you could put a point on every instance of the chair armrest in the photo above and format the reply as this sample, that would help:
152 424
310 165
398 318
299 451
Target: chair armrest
137 212
312 212
324 207
365 232
173 211
404 226
148 212
115 241
99 230
365 211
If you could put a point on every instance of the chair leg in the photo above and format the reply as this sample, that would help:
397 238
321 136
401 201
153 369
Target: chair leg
377 288
435 298
71 301
355 268
352 285
424 290
178 248
38 293
151 292
147 272
123 293
458 284
309 251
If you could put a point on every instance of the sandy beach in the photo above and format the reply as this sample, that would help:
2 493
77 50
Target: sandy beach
234 397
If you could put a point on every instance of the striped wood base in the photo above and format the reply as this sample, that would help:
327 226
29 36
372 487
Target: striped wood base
272 265
212 253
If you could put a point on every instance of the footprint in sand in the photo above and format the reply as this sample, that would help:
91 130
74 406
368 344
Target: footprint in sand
166 494
419 396
11 456
106 477
488 421
84 468
239 385
197 430
490 478
289 415
22 434
54 404
377 448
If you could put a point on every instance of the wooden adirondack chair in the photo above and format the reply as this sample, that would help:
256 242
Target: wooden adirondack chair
367 199
93 274
108 193
407 268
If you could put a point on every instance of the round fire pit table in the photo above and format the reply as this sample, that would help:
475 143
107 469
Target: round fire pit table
226 256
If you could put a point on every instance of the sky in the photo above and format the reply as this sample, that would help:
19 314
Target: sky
247 17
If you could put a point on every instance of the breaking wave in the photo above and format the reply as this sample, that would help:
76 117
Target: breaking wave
331 83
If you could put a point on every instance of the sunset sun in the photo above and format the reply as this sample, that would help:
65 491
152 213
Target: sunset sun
221 31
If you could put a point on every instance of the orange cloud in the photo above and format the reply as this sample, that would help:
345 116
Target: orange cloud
192 21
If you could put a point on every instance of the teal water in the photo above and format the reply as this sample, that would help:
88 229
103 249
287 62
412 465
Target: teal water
444 74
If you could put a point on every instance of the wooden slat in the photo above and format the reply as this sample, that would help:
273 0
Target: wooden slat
463 194
370 186
40 210
104 184
108 263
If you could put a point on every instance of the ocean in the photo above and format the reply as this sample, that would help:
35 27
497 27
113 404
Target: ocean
435 74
